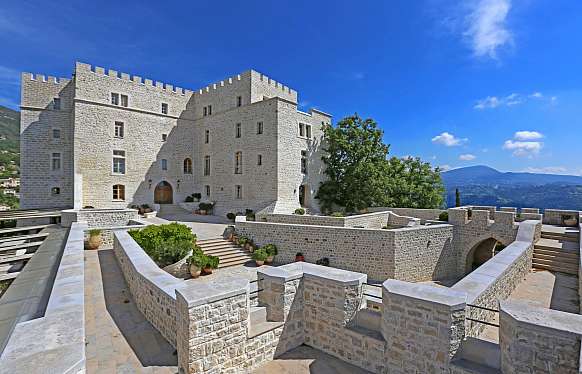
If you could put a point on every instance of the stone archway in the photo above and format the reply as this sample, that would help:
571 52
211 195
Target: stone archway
163 194
479 254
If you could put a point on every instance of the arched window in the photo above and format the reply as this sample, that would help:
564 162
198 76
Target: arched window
187 166
118 192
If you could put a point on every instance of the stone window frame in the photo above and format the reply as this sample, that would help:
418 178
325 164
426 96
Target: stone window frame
207 188
260 127
165 108
118 191
57 103
238 192
259 160
238 130
164 164
56 162
114 99
207 165
204 112
187 165
54 130
308 131
238 162
119 162
209 109
301 129
124 100
119 129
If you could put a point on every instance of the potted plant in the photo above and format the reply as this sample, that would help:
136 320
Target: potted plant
231 216
211 262
299 211
260 255
271 250
249 245
444 216
250 214
196 263
569 220
299 257
94 240
196 196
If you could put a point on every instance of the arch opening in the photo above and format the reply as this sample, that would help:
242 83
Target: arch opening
163 194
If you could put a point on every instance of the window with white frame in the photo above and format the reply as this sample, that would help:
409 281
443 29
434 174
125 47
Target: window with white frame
206 165
302 129
164 108
119 192
308 131
56 133
119 162
164 164
238 191
124 100
238 163
259 128
119 129
56 161
114 98
238 130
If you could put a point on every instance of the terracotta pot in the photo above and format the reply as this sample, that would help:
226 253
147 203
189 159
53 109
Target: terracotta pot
259 263
299 258
207 270
269 260
248 246
195 271
202 212
571 222
94 241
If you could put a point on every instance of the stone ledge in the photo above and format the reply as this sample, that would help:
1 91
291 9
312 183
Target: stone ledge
542 318
424 292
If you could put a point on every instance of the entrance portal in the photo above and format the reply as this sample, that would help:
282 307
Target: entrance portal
163 193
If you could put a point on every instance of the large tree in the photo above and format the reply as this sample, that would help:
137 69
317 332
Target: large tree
359 175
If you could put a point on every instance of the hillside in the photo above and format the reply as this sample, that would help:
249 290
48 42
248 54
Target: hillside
9 142
482 185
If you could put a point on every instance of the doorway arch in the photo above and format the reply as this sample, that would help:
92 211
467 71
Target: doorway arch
163 194
479 254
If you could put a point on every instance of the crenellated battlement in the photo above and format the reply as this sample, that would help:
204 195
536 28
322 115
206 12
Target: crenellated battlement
131 78
273 83
41 78
222 83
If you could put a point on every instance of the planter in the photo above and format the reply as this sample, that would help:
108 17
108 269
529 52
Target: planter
195 271
150 214
259 263
207 270
269 260
202 212
249 247
570 222
299 258
94 242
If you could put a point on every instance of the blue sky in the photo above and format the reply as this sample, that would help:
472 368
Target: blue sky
494 82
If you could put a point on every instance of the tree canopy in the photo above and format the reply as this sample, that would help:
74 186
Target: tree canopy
360 175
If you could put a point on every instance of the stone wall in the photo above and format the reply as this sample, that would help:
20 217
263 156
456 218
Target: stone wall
423 214
369 221
103 219
539 340
555 216
381 254
498 277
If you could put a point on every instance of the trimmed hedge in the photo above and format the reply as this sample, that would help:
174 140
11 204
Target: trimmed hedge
165 244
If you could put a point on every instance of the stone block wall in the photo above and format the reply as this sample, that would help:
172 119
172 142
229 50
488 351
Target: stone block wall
555 216
423 214
370 221
104 219
375 220
538 340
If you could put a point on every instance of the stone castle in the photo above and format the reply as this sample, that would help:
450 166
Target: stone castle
106 139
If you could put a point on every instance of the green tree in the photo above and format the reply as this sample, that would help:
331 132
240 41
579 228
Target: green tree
355 160
413 183
457 198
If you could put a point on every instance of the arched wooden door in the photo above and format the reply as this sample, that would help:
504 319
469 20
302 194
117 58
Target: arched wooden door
163 193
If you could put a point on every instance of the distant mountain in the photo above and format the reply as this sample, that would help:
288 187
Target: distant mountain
482 185
9 141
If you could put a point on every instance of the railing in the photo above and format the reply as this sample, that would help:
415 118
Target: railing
480 321
254 294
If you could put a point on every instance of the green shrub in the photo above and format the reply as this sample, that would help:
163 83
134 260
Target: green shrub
299 211
94 232
212 261
260 255
337 214
197 195
271 249
243 240
201 260
206 206
165 244
231 216
250 214
444 216
189 199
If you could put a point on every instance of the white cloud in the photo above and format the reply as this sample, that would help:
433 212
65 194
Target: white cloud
528 135
491 102
358 75
448 140
523 149
536 95
467 157
547 170
445 167
488 103
486 27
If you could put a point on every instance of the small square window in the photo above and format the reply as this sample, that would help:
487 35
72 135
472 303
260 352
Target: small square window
119 192
57 103
55 191
124 101
114 98
164 108
119 129
56 133
164 164
164 137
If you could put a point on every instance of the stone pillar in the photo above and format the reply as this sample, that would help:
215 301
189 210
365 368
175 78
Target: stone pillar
277 292
538 340
423 326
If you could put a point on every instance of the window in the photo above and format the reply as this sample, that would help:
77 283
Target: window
187 166
260 160
239 101
164 137
164 108
119 129
119 162
259 128
56 161
238 130
57 103
301 129
206 165
205 111
55 191
207 188
304 162
56 133
238 163
238 191
207 136
164 164
308 131
119 192
124 100
209 110
114 98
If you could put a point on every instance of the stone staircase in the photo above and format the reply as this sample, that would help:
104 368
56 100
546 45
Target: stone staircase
558 250
171 210
228 253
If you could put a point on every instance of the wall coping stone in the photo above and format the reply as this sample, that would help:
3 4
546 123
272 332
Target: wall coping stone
208 292
540 317
429 293
305 269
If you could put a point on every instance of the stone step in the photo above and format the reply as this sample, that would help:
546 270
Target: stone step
545 243
8 276
258 314
210 241
556 258
231 256
569 238
216 251
554 267
230 263
218 245
10 259
554 252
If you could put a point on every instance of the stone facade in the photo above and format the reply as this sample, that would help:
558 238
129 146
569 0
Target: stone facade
84 117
